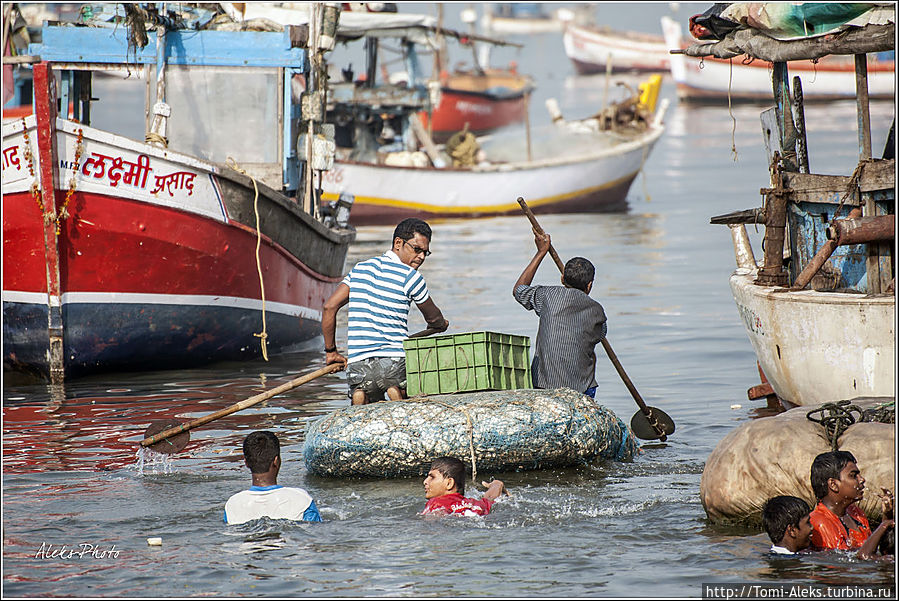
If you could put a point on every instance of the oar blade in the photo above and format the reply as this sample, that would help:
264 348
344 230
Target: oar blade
643 428
172 444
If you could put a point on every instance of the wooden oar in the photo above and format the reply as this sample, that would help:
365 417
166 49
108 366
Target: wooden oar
649 423
169 437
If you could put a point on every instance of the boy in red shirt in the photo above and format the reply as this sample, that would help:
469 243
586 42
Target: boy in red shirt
445 486
838 521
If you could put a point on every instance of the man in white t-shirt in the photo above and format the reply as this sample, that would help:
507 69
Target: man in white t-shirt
266 498
379 292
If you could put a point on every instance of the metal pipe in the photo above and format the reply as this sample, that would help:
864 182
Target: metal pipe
862 230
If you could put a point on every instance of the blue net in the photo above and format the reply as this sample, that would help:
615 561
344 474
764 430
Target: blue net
505 430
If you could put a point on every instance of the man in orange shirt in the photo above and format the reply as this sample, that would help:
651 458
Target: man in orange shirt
838 521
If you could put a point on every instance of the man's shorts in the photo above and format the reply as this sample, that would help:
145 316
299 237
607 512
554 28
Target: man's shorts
375 375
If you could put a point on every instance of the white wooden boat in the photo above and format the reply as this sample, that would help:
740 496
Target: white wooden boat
595 180
813 346
593 49
714 79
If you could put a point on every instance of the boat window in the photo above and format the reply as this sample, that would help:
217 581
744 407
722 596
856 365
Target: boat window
214 117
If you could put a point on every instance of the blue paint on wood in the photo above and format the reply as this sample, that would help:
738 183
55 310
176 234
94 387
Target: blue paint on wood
183 47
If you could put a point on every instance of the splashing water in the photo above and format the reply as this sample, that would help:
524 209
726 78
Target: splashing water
155 463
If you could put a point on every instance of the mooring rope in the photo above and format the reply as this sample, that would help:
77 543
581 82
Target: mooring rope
836 418
263 335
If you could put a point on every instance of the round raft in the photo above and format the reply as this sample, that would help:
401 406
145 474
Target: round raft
503 430
773 456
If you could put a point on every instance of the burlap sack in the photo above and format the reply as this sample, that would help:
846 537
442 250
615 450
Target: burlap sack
772 456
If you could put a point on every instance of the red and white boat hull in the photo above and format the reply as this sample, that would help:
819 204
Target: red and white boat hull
154 270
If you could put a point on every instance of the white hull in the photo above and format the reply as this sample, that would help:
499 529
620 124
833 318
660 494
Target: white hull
592 50
582 183
520 26
817 347
711 78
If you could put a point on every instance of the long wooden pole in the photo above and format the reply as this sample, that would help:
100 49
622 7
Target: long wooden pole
253 400
605 342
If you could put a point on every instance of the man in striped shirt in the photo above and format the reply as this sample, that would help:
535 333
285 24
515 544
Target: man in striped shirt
379 292
571 323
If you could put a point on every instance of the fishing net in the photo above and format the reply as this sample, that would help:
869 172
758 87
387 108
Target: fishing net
505 430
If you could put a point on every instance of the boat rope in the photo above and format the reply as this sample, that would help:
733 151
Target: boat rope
474 465
153 138
263 335
836 418
853 185
730 110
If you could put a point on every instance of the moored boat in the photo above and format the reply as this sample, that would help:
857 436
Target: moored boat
132 254
596 49
521 18
392 168
481 99
820 308
710 78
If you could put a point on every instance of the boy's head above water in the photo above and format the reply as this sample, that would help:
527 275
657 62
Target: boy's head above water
786 520
446 476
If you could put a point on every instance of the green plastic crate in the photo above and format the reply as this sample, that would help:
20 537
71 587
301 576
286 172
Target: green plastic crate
468 362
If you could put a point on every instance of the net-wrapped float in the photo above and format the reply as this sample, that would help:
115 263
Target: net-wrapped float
506 430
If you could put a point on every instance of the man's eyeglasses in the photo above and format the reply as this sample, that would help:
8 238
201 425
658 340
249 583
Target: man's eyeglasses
417 250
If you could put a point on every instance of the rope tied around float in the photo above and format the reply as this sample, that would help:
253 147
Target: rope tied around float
836 418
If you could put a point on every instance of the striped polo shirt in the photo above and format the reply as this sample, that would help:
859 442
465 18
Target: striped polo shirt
571 324
381 291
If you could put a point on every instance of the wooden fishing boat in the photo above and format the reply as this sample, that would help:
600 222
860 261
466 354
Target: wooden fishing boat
127 254
820 309
520 18
387 163
482 99
505 430
837 339
595 49
713 79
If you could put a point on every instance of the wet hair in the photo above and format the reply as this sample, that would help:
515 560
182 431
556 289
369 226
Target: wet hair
826 466
450 467
259 451
407 228
578 273
782 512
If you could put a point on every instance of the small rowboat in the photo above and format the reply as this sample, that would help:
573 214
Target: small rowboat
507 430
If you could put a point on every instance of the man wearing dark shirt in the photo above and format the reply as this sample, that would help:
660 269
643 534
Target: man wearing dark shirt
571 323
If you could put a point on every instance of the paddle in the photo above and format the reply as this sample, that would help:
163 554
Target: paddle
168 436
649 423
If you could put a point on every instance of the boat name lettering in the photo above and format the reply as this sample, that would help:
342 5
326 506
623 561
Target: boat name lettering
333 176
751 320
470 107
181 180
10 157
132 174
